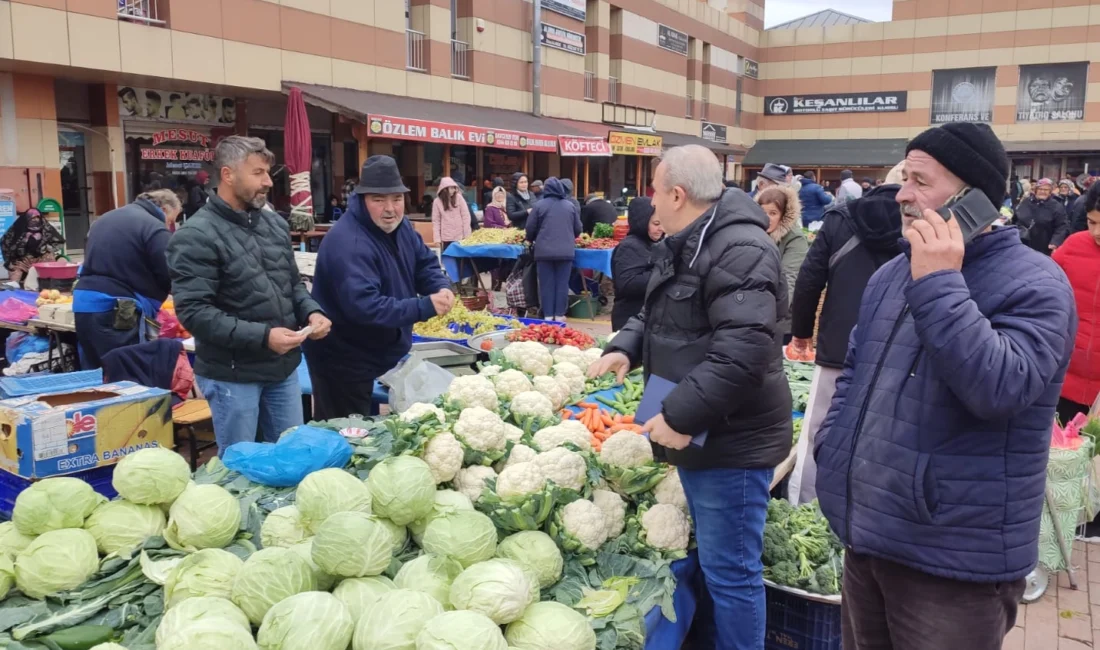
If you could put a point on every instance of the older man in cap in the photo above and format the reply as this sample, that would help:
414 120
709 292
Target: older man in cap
375 278
772 175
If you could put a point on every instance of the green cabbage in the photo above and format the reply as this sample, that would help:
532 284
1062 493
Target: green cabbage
353 545
395 620
118 525
267 577
432 574
283 528
11 540
402 489
499 589
460 630
464 535
305 551
399 534
535 550
204 516
209 572
215 634
328 491
56 561
550 625
151 476
7 574
53 504
312 620
196 610
108 646
360 594
444 501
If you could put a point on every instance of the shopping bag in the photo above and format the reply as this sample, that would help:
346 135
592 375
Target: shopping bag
298 453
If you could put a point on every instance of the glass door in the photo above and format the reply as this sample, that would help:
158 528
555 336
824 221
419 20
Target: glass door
74 196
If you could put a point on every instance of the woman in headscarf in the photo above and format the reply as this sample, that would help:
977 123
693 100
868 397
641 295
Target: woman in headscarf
784 212
1042 219
630 261
30 240
519 201
496 215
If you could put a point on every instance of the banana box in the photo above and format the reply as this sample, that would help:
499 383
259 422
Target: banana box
62 433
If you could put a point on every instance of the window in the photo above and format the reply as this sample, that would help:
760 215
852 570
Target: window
737 109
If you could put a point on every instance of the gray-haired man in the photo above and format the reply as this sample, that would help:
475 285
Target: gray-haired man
237 289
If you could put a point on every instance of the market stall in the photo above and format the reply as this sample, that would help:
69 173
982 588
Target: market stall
468 257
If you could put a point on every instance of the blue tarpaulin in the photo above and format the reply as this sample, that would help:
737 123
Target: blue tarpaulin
587 258
663 634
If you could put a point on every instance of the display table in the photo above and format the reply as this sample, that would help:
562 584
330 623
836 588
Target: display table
598 260
663 634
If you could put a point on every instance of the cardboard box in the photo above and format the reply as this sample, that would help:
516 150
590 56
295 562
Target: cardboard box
62 433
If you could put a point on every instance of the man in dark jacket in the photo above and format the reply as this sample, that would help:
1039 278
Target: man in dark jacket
854 241
124 278
553 227
1042 219
814 199
932 459
630 262
519 201
597 210
237 289
709 326
196 196
375 278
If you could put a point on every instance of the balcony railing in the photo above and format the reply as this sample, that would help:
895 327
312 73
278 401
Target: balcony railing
589 86
139 11
613 90
414 58
704 110
460 59
690 109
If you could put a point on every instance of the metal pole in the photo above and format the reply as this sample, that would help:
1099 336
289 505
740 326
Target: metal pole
536 59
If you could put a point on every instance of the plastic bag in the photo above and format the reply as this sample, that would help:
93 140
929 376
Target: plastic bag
170 327
415 380
20 344
298 453
16 311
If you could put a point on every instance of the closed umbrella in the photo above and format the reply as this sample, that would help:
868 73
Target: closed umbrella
298 151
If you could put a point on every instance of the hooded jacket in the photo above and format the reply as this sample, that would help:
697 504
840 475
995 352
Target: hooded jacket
554 224
709 325
516 206
814 201
792 244
125 253
934 452
1079 257
630 264
597 211
856 239
1042 223
450 224
374 287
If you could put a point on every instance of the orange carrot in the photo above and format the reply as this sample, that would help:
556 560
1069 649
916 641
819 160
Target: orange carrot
606 420
628 419
588 405
567 414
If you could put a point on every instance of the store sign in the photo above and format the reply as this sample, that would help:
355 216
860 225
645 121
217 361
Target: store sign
185 136
963 95
576 9
199 108
562 39
401 128
712 132
752 69
1052 92
672 40
886 102
634 144
572 145
181 155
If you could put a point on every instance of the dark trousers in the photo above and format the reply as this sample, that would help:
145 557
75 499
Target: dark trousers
887 606
97 336
554 287
1067 410
334 397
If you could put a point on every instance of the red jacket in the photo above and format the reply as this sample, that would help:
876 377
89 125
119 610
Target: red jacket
1079 257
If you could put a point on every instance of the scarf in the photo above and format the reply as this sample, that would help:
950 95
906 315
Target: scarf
503 204
526 195
31 237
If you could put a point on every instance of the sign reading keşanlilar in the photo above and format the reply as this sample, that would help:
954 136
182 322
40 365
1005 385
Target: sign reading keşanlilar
883 102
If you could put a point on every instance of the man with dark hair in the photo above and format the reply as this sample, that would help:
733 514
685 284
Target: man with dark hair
129 101
237 289
932 458
849 190
229 111
152 104
175 109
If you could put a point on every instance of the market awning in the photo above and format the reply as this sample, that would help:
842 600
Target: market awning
593 144
1052 146
406 118
679 140
827 153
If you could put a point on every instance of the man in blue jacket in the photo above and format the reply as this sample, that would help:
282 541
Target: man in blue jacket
932 458
813 198
374 278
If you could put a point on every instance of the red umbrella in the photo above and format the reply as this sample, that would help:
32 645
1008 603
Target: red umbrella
298 151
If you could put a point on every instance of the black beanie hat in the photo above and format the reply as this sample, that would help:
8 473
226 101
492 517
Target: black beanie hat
970 151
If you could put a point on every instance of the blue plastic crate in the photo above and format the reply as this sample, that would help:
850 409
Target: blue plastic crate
11 485
49 383
797 623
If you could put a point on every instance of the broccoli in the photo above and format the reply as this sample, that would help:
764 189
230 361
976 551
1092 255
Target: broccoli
779 510
777 545
784 573
826 580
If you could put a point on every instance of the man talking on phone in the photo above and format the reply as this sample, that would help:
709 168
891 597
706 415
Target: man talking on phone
932 458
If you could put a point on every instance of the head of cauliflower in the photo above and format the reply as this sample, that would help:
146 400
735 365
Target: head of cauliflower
530 357
532 405
443 454
519 454
520 480
473 390
420 410
569 354
512 433
569 431
626 449
489 371
585 522
666 527
471 480
592 355
671 491
553 389
481 430
566 468
510 383
614 510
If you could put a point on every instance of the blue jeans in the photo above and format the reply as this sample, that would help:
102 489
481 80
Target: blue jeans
728 507
239 408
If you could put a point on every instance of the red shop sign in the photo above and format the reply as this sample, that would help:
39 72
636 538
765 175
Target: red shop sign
401 128
583 146
181 135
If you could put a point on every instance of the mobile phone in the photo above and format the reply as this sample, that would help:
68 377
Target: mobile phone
974 212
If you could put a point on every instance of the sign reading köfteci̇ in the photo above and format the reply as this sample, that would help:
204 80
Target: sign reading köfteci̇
1053 92
562 39
579 145
635 144
879 102
752 69
712 132
672 40
402 128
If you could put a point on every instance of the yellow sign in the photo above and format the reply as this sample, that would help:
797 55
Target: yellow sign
634 144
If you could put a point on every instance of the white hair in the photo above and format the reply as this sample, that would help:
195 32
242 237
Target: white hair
694 169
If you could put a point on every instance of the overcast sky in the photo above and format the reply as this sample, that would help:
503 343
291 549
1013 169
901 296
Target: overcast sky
780 11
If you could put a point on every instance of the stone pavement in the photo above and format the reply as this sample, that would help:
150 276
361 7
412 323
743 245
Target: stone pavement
1063 619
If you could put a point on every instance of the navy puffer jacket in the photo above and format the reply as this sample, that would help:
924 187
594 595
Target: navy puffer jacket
934 452
554 224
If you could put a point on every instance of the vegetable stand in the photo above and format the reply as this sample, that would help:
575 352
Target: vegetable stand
461 261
